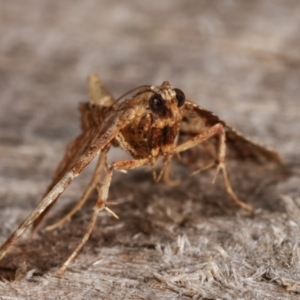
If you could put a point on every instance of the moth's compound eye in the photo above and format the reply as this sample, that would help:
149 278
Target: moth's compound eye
156 103
180 97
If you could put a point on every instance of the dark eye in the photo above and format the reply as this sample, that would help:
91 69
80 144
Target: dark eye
156 103
180 97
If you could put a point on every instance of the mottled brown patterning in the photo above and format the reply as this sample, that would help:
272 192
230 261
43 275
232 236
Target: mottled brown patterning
156 123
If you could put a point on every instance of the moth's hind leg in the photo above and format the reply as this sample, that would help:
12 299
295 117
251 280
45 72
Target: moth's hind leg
217 129
221 168
100 169
102 202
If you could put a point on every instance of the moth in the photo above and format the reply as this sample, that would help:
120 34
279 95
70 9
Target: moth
156 124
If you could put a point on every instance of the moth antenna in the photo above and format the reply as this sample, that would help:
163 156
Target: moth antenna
131 91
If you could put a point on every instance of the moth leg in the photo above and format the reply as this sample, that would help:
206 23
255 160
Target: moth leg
229 189
165 172
164 168
73 152
100 167
203 169
221 168
217 129
152 164
167 177
102 202
46 202
101 138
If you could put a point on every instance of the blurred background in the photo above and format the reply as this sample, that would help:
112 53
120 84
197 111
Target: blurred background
239 59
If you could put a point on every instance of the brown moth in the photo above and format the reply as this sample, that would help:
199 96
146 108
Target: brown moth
158 122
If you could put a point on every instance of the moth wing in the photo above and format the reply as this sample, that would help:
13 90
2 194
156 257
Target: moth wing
98 93
197 119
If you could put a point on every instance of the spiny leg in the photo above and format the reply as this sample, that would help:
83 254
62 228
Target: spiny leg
101 138
221 167
230 190
100 167
102 201
217 129
73 152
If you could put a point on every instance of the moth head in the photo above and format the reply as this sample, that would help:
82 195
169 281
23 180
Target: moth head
165 101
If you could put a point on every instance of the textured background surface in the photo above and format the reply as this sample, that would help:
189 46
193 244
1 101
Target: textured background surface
240 59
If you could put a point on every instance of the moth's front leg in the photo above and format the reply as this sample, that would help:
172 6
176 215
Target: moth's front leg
217 129
102 201
99 172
